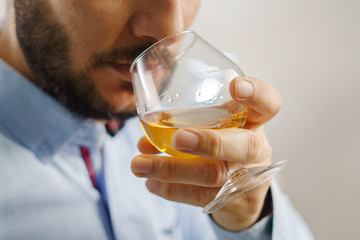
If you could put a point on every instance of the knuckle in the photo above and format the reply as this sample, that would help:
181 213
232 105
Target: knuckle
258 147
165 167
254 144
214 145
261 90
201 195
267 152
168 191
214 173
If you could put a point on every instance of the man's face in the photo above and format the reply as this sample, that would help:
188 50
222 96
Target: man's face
80 51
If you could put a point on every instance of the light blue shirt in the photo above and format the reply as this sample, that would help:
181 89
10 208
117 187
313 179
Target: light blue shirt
46 192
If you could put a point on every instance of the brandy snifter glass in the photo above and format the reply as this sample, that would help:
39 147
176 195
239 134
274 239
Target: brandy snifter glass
183 82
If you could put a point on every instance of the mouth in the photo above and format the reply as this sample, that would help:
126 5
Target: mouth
123 69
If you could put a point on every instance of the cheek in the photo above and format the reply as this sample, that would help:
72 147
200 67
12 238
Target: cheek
190 9
92 26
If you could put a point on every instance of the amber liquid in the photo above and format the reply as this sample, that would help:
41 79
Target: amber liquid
159 127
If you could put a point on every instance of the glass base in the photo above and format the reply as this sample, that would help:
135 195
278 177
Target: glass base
241 181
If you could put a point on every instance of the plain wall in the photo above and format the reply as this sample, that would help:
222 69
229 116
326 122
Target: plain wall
2 8
310 51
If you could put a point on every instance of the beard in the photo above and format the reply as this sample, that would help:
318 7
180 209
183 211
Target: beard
46 48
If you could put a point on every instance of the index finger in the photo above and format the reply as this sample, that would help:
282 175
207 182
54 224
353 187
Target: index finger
262 100
236 144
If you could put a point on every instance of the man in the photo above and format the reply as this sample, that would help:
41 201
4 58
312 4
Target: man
63 76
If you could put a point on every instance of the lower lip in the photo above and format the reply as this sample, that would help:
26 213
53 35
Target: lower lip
124 71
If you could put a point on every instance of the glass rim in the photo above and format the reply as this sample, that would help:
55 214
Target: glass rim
157 43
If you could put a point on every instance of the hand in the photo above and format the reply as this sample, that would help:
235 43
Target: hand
197 181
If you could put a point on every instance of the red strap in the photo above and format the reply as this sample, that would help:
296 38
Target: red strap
85 153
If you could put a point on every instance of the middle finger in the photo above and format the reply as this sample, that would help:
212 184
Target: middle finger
196 171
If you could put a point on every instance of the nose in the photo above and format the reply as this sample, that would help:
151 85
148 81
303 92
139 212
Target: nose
157 19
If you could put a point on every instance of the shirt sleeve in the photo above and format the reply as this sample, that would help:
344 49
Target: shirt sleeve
284 223
260 231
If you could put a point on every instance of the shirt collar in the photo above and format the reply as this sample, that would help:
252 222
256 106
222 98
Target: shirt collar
35 120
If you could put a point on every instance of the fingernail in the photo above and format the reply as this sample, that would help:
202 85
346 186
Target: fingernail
152 185
185 140
243 88
141 165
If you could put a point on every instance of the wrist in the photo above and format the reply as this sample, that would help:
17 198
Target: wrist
241 218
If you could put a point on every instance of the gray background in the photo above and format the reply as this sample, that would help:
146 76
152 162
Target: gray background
310 51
